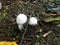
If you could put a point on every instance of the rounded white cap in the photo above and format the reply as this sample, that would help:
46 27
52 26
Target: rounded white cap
21 19
33 21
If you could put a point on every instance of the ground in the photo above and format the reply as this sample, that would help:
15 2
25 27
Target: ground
34 36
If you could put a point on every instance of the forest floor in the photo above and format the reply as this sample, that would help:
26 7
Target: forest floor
35 34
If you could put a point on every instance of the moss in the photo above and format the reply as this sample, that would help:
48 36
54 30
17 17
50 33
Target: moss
36 43
3 16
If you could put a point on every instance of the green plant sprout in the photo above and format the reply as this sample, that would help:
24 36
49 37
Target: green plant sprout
36 43
52 19
3 16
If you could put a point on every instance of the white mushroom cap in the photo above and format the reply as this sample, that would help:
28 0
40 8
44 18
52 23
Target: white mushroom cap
33 21
21 19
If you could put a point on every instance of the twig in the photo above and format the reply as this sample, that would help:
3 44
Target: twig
47 33
23 34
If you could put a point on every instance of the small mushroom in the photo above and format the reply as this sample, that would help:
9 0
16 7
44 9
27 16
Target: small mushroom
33 21
20 20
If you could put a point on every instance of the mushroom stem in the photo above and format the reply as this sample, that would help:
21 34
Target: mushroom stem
24 34
20 27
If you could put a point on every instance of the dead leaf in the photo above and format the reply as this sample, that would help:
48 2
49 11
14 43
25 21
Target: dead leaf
8 43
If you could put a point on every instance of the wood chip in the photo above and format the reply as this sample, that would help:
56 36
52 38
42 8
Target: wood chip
0 5
46 34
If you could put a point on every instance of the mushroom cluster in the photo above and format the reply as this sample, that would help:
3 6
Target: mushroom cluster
22 19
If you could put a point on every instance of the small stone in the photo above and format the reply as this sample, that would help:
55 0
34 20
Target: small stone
40 30
9 27
37 36
58 25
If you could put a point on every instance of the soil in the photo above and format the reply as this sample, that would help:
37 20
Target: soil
33 36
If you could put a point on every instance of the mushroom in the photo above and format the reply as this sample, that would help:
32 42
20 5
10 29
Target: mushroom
33 21
20 20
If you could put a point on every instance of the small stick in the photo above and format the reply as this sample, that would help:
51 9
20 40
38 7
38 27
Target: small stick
47 33
0 5
24 34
